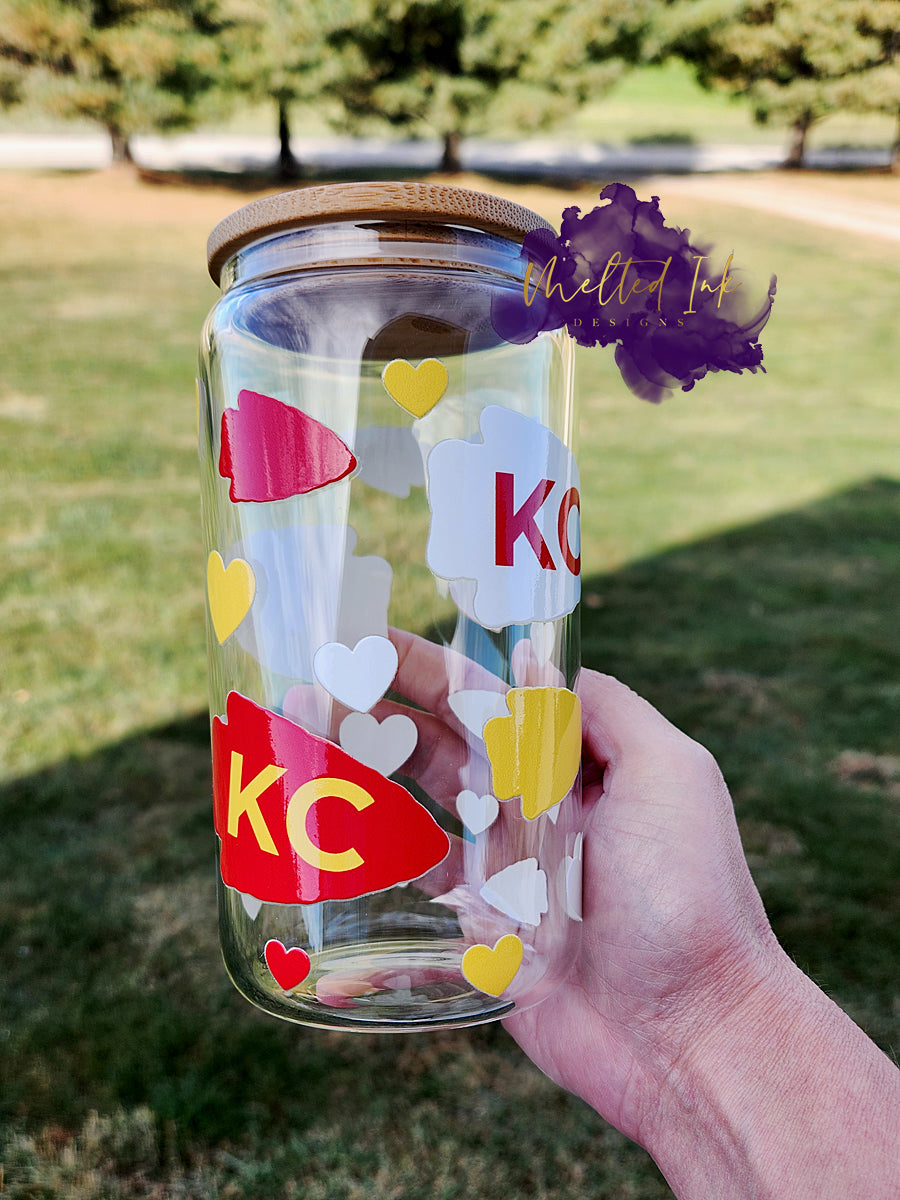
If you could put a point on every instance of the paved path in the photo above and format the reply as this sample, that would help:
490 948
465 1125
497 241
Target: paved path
715 172
545 156
790 196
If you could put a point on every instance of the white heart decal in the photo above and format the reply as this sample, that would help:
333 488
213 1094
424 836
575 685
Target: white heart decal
476 812
385 746
475 708
542 635
357 677
519 891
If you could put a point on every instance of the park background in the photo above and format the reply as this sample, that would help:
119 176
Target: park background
741 556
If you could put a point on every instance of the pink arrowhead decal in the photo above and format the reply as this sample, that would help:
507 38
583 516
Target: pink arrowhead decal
271 450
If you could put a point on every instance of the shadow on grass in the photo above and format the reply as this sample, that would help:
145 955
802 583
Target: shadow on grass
673 137
521 173
268 179
776 644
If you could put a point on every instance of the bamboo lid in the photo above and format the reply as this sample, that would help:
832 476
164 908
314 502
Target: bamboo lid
422 202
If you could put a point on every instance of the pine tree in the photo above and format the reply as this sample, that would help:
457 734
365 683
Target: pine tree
455 66
278 51
796 61
131 65
877 89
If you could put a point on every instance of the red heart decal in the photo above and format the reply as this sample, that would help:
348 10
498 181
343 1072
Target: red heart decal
289 967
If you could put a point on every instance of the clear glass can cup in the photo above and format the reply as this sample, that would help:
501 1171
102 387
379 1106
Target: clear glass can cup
390 512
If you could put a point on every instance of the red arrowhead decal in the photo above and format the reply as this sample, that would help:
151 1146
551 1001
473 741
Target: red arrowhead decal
288 967
271 450
300 820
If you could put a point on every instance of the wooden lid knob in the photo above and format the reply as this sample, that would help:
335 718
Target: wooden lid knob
423 202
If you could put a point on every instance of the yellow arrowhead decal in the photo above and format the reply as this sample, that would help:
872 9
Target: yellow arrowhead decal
535 752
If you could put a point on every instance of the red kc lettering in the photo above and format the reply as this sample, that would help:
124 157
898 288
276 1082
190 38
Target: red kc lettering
570 500
511 523
505 521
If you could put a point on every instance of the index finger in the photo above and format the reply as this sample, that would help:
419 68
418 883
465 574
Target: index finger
429 673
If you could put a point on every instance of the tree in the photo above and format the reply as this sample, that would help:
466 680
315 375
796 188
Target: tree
131 65
795 60
878 88
277 50
455 66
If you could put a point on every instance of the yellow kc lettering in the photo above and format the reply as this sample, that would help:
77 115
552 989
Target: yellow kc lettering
243 800
298 810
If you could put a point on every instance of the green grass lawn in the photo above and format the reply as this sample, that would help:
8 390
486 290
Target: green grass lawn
665 103
742 561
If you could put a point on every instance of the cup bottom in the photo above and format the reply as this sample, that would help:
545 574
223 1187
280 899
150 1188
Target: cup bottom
381 987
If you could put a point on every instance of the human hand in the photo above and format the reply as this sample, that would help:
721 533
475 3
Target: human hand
682 1022
674 928
671 913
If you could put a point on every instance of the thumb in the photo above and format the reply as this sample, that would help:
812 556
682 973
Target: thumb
618 723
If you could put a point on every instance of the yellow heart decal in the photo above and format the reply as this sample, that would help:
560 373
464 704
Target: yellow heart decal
417 389
492 971
231 590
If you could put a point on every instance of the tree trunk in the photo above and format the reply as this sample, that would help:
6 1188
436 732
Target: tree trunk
797 146
451 163
288 167
121 147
